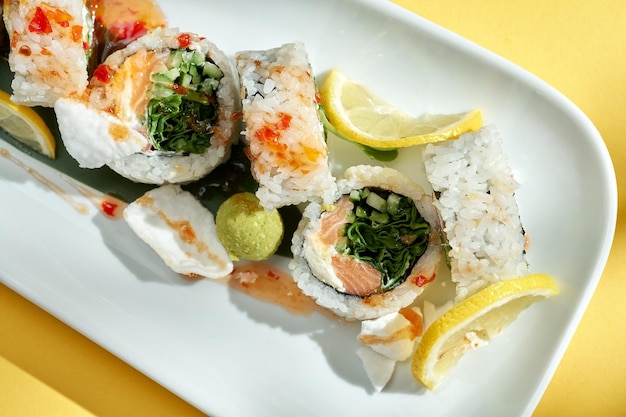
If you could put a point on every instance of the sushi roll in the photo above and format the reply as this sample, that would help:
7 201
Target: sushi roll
161 110
49 46
475 189
374 250
284 137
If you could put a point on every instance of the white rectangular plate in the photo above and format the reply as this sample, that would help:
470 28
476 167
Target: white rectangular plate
231 355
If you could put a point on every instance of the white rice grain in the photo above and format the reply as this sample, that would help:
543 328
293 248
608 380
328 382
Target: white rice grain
284 136
475 186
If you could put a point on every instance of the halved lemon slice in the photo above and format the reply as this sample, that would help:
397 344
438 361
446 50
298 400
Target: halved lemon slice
366 119
473 323
26 126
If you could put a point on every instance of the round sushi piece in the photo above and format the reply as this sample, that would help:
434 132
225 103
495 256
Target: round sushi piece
49 46
373 251
163 106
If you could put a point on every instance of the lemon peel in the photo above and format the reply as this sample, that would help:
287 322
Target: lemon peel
473 323
26 126
360 116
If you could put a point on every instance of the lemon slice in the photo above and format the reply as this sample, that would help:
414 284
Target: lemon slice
26 126
368 120
474 322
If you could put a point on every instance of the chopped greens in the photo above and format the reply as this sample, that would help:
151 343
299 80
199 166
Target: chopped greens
183 104
386 232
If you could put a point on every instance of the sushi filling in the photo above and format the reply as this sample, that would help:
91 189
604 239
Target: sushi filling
385 231
369 243
183 105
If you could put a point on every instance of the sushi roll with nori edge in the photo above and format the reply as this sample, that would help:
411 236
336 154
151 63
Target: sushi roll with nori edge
50 43
284 136
475 187
160 110
374 250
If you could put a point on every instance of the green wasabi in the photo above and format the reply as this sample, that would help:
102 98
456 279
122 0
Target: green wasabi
246 229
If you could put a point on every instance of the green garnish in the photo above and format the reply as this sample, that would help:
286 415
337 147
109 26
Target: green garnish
386 232
183 104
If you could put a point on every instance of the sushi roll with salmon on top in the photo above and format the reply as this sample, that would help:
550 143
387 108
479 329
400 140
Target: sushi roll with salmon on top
161 110
374 250
49 46
284 137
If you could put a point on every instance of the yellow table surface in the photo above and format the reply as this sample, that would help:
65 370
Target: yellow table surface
578 46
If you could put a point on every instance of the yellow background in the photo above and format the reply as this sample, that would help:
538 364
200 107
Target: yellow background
47 369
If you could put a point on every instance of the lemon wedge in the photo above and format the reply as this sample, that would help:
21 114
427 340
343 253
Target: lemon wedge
26 126
364 118
473 323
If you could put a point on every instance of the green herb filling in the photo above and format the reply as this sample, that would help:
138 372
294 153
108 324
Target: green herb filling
183 104
386 231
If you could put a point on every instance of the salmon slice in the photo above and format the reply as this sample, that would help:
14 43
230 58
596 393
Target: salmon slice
358 278
132 81
333 222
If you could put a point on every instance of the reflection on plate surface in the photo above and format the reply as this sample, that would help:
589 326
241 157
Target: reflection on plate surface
229 354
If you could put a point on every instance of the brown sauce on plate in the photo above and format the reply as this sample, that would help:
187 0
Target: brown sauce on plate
267 283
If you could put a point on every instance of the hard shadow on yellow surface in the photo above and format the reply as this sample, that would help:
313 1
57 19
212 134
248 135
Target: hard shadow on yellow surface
36 400
50 358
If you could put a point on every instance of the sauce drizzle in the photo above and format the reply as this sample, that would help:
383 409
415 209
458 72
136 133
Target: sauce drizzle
79 207
267 283
111 207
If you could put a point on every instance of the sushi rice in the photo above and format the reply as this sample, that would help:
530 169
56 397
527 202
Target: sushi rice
49 46
475 189
285 139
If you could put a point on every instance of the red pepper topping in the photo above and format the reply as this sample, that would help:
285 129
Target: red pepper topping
108 208
270 134
128 31
40 23
103 73
421 280
284 122
184 40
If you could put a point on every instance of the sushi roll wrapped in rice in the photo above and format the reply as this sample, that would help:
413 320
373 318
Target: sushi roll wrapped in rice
374 250
284 137
158 111
475 196
49 44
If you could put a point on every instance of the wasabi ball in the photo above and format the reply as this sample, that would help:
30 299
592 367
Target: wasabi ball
246 229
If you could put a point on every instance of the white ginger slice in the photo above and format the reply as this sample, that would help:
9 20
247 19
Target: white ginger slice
93 137
378 368
393 335
180 230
